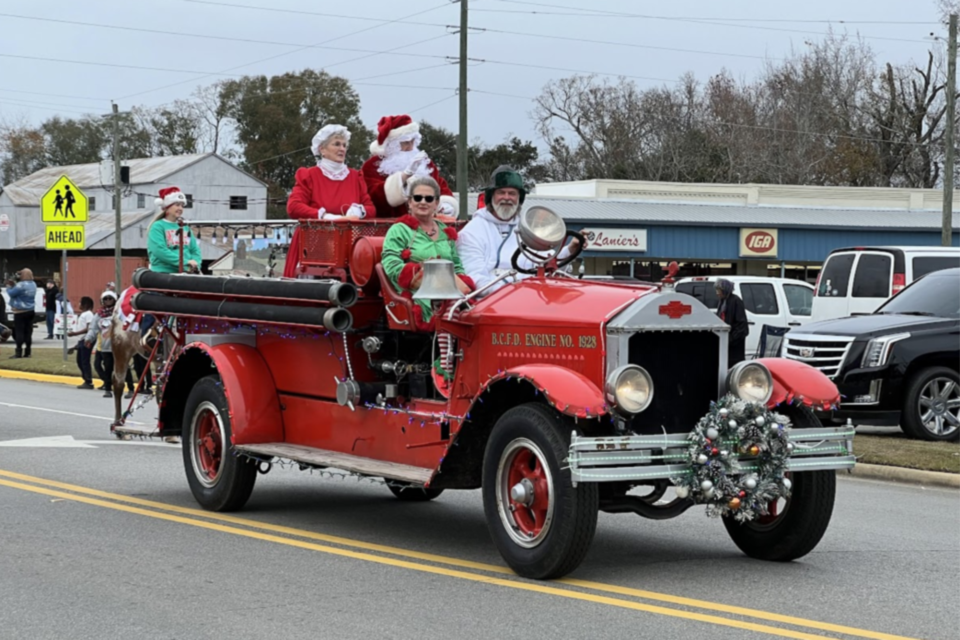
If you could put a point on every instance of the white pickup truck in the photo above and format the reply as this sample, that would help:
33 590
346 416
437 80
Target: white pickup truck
777 302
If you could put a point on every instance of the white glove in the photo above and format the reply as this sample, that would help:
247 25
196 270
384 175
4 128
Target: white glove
447 209
320 213
356 211
416 163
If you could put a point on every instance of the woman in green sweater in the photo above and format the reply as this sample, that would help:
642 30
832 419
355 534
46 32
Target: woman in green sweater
417 237
163 238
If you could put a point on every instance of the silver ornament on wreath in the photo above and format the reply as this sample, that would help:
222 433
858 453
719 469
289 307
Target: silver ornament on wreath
721 481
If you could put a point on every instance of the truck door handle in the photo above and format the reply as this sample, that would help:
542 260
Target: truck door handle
794 324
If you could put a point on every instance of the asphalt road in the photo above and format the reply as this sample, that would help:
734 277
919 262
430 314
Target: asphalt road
102 539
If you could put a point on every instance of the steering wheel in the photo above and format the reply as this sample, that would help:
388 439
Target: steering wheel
537 257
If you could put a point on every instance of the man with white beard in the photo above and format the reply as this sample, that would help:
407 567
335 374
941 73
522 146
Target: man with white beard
487 243
396 158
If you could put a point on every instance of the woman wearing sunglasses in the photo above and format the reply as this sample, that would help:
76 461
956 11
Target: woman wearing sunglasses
417 237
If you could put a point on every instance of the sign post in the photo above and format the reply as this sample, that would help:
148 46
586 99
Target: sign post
63 209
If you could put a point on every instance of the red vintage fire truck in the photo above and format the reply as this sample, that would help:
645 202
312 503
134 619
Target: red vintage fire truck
569 396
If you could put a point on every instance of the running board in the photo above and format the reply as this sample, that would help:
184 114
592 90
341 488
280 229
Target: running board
646 458
323 458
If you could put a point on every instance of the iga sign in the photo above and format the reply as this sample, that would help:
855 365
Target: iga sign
758 243
616 239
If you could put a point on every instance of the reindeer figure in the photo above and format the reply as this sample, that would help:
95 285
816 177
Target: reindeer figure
127 341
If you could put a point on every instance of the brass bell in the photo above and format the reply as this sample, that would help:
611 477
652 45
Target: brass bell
439 281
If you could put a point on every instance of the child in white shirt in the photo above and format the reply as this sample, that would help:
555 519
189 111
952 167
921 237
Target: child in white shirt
84 322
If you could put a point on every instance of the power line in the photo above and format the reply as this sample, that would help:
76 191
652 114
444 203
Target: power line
704 21
110 64
384 21
611 13
297 50
631 45
31 106
54 95
745 126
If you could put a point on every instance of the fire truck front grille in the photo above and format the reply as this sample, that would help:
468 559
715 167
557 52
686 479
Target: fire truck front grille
685 367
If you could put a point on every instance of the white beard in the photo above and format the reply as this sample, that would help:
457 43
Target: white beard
506 212
399 160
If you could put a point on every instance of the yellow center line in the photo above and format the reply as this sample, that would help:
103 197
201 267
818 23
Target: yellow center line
584 584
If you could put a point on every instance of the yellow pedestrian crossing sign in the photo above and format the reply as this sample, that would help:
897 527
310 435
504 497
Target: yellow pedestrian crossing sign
67 237
64 202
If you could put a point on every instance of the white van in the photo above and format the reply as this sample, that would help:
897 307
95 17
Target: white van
777 302
857 280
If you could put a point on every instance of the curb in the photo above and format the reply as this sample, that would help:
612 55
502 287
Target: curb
906 476
40 377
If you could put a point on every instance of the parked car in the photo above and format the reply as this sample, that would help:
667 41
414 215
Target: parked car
776 302
857 280
898 365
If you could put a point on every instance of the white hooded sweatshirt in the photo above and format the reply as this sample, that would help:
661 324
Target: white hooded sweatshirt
486 246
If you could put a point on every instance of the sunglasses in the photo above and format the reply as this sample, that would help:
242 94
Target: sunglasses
427 199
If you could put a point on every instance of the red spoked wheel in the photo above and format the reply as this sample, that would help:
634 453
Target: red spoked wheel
541 523
208 444
219 480
525 493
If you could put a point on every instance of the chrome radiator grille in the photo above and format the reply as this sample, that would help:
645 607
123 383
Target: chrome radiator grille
825 353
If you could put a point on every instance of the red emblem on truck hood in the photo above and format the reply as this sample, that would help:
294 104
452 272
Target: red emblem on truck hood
675 309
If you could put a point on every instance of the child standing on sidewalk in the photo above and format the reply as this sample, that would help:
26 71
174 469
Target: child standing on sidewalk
84 351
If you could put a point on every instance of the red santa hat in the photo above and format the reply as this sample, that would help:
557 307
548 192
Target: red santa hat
169 196
393 128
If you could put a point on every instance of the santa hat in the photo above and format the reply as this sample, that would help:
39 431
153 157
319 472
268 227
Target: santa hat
108 294
326 132
393 128
169 196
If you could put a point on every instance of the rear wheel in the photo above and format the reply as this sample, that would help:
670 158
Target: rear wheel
795 525
219 480
541 524
409 493
931 406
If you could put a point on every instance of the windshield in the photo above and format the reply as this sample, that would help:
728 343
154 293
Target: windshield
937 294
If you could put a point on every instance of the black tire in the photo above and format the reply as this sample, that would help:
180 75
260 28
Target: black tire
801 520
219 480
407 493
534 440
927 417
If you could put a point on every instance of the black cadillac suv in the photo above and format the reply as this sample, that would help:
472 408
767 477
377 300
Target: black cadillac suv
898 365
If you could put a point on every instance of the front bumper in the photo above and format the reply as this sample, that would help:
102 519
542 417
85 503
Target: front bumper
664 457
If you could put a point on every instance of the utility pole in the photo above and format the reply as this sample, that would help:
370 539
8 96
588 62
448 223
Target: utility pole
463 187
946 236
117 193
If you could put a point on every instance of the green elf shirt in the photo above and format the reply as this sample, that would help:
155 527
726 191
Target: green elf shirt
163 247
406 246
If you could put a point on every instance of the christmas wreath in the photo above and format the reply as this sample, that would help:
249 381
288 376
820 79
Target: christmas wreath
742 485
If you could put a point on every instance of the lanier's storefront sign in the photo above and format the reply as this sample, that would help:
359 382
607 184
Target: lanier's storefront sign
758 243
616 239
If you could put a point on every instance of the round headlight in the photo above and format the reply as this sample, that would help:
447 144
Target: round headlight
541 229
751 381
629 389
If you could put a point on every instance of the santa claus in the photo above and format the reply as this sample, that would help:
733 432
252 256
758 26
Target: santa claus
395 160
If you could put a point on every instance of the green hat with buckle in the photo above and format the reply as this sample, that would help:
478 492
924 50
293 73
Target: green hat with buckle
502 177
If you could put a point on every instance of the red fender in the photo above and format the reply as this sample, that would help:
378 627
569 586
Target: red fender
798 382
567 391
251 393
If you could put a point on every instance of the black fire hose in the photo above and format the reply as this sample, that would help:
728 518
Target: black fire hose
342 294
331 318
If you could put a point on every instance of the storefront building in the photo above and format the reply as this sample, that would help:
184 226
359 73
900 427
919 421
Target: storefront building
636 228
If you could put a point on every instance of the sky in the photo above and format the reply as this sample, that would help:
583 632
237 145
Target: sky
400 56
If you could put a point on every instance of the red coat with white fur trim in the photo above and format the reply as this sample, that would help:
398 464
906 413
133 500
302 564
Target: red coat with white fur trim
387 191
